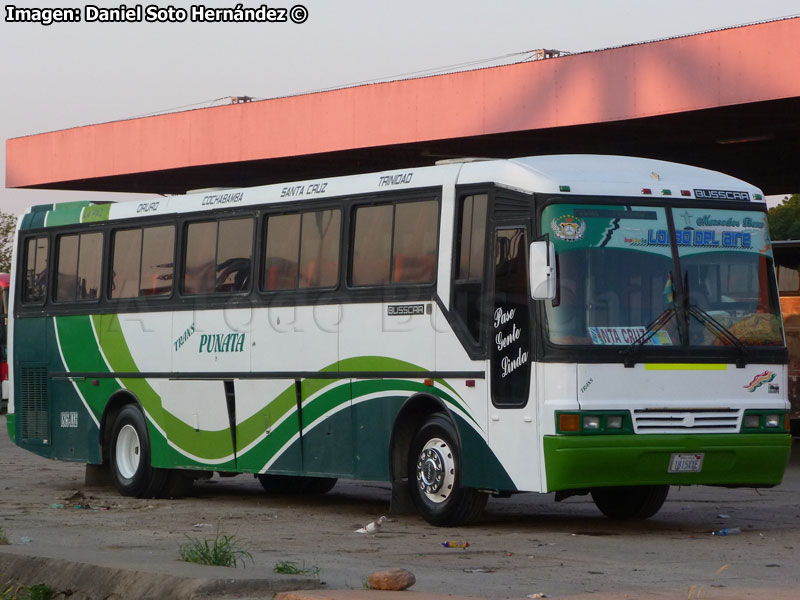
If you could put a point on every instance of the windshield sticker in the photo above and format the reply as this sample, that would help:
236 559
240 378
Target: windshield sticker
759 380
699 237
624 336
568 228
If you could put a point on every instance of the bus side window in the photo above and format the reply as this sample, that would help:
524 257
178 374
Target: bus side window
219 256
34 290
142 262
79 266
302 250
468 275
395 243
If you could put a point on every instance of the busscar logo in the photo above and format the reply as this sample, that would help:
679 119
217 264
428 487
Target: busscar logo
721 195
398 310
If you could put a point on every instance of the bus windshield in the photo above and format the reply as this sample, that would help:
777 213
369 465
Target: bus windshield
617 275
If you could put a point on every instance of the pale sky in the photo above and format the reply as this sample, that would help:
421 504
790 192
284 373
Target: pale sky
73 74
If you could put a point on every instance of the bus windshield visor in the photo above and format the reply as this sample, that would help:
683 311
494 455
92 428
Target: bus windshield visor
617 276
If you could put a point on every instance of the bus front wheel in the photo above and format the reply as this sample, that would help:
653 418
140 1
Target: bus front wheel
630 502
434 472
129 457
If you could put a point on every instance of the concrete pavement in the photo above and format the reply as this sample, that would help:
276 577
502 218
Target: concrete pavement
86 575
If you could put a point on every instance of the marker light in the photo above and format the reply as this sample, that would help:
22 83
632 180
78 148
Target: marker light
647 191
686 193
591 422
567 422
666 192
564 188
614 422
751 421
772 421
758 197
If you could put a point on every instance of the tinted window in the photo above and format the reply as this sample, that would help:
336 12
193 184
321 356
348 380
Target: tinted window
125 268
218 256
158 251
372 245
35 285
302 250
395 243
468 277
319 249
280 266
80 258
143 262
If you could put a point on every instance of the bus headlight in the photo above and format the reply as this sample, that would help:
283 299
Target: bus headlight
751 421
591 422
764 421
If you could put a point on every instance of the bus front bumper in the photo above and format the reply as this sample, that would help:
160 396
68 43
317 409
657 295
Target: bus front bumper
580 462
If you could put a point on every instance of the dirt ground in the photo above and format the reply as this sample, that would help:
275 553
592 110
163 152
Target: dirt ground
524 545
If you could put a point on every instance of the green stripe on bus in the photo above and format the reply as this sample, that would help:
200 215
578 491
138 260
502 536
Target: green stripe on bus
65 214
95 213
81 353
208 445
11 421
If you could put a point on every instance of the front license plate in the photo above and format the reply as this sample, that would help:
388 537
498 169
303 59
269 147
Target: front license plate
686 463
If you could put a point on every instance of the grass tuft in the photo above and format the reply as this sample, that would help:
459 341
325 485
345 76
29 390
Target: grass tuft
288 567
222 550
39 591
3 537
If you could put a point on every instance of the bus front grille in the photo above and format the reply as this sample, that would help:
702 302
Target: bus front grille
34 411
683 420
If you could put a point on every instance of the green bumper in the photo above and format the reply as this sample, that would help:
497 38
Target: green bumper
576 462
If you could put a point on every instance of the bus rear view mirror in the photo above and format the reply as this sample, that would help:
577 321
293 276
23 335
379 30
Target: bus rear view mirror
543 270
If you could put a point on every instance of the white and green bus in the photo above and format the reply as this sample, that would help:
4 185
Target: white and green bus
570 324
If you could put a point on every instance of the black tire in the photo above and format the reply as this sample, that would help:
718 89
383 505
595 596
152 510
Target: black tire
434 476
320 485
630 502
129 457
179 484
295 484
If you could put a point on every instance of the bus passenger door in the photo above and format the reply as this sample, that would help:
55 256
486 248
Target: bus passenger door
513 430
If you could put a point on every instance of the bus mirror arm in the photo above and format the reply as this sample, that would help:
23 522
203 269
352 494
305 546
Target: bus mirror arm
543 271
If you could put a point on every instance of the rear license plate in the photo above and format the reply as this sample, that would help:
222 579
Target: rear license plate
686 463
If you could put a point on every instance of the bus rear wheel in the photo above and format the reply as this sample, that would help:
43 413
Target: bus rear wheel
434 472
129 457
630 502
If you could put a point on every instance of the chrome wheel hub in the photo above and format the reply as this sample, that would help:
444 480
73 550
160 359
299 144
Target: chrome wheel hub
436 470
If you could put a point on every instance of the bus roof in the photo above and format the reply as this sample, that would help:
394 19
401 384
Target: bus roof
576 174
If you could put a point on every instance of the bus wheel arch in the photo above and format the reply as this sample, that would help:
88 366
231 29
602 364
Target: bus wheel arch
126 440
435 471
410 417
116 403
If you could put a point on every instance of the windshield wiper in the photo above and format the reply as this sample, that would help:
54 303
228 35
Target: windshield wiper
658 323
721 332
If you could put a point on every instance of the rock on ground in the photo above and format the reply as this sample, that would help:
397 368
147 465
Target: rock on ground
391 579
